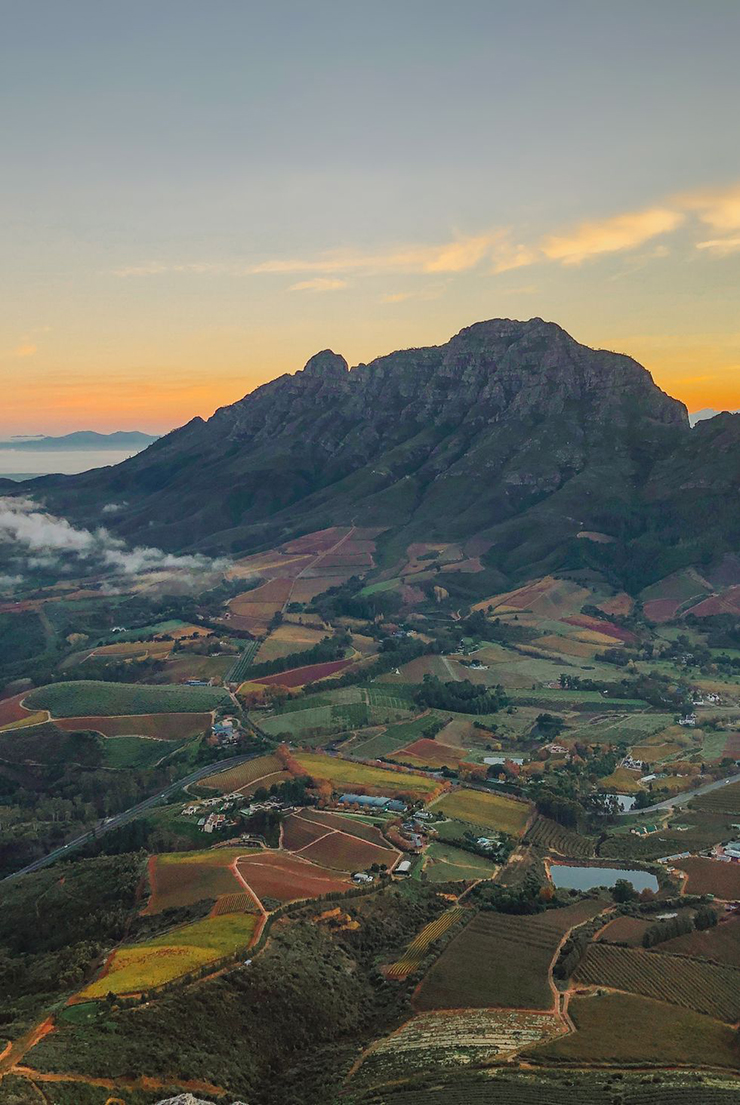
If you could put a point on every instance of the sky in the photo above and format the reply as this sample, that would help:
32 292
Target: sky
196 197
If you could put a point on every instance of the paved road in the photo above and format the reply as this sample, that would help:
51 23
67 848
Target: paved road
132 813
682 799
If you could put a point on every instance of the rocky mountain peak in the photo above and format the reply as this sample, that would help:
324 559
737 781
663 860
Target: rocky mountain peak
325 364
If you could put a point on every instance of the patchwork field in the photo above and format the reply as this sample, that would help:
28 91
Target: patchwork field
711 876
91 697
548 597
336 843
490 811
704 987
623 1029
165 727
501 960
419 946
134 968
287 639
345 774
287 879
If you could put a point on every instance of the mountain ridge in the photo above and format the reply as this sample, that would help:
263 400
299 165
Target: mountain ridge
510 430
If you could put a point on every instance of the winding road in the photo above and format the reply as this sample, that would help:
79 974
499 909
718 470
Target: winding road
684 798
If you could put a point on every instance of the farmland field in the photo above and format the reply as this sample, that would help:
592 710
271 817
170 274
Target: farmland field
703 987
175 883
721 943
490 811
347 823
239 777
429 753
298 677
501 960
280 876
342 852
436 1042
552 836
723 800
89 697
419 946
136 967
624 1029
165 727
136 752
711 876
12 711
625 930
446 863
345 774
287 639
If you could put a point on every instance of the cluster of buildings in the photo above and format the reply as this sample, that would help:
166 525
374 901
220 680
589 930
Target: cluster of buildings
225 732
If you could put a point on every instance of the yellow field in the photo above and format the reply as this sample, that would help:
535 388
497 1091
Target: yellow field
622 780
491 811
567 645
32 719
417 949
218 857
137 967
344 773
240 776
287 639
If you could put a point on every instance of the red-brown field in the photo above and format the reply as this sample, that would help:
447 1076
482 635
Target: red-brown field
625 930
726 603
287 879
732 748
598 625
347 853
297 677
334 843
661 610
429 752
345 824
11 709
711 876
181 884
620 604
166 727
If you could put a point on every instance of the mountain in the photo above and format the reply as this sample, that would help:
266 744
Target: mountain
512 432
83 439
705 413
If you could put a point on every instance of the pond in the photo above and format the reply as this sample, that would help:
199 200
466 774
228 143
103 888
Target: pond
503 759
586 878
626 801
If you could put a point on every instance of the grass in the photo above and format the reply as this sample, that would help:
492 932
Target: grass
450 864
501 960
490 811
138 967
135 752
345 774
92 697
624 1029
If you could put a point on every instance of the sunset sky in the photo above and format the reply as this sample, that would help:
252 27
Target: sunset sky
197 196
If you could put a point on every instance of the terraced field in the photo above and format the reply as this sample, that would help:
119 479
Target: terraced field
419 946
437 1042
548 834
704 987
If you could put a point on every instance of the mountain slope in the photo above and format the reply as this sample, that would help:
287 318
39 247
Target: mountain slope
511 432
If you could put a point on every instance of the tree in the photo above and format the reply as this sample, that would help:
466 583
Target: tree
623 891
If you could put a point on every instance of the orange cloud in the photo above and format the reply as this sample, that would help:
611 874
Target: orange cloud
318 284
718 208
612 235
26 350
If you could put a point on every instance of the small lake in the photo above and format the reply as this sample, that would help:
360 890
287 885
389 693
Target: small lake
503 759
626 801
586 878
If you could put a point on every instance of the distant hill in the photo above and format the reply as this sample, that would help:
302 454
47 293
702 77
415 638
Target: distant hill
511 432
705 413
83 439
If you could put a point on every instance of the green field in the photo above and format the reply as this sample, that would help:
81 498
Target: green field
488 810
394 738
90 698
625 1029
137 752
445 863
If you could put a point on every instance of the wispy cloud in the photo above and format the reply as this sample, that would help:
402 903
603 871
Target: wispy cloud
611 235
721 247
318 284
718 208
27 349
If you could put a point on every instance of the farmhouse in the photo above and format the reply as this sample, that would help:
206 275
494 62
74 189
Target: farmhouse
362 878
403 868
732 850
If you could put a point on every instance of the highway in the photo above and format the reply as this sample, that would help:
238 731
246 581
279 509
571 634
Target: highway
684 798
135 811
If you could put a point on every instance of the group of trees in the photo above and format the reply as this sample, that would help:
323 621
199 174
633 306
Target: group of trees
460 696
